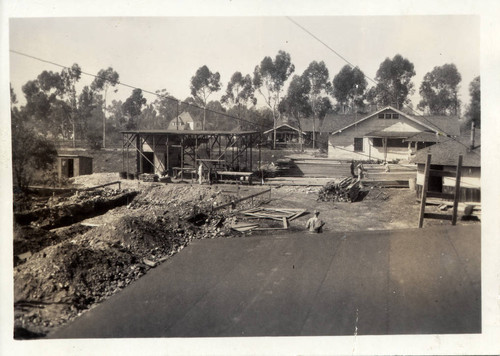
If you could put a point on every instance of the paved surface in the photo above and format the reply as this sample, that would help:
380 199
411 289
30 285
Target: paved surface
376 282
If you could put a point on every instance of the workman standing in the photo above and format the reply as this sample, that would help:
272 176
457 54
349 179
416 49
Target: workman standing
361 173
200 173
315 224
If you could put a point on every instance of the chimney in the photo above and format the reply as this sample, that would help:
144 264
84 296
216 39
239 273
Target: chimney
472 135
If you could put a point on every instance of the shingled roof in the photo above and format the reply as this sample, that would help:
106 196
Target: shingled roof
448 125
446 153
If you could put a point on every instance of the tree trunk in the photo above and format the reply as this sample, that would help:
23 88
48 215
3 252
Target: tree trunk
104 121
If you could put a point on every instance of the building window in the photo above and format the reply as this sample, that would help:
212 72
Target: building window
380 116
396 142
395 116
358 144
388 116
377 142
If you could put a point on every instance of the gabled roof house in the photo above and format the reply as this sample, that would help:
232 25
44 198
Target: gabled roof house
184 122
383 135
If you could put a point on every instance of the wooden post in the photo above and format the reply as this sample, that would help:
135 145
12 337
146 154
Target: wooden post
138 153
177 117
167 168
457 190
424 191
123 152
195 151
154 155
251 154
384 142
182 159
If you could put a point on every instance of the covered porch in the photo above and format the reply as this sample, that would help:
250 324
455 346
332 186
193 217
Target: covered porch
390 145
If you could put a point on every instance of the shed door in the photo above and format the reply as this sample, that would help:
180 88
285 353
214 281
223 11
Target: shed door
70 167
147 166
436 183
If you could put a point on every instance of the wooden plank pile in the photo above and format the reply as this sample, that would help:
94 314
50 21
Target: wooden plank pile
279 214
345 190
466 209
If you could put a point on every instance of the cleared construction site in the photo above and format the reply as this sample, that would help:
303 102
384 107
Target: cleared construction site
78 246
285 205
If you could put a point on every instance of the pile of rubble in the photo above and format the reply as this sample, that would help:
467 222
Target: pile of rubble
66 270
61 211
345 190
149 177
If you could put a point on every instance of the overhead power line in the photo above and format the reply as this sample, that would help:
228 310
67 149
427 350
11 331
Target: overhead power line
441 131
143 90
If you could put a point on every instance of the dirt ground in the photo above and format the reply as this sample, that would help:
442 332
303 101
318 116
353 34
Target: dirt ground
67 270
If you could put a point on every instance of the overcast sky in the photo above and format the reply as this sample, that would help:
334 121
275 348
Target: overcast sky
164 52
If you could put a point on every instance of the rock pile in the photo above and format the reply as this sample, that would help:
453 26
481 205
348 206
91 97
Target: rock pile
67 270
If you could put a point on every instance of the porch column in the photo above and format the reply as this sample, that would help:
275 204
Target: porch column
167 163
384 141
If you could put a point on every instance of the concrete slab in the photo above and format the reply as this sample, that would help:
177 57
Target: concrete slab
418 281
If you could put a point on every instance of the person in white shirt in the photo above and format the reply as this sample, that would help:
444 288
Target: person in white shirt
315 224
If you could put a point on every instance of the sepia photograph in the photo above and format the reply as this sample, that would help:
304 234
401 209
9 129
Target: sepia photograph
249 182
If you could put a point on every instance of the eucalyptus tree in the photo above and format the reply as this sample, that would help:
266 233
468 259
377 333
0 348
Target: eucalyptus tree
31 153
105 78
70 76
132 108
317 75
349 86
269 79
439 90
203 84
239 91
473 112
296 103
394 85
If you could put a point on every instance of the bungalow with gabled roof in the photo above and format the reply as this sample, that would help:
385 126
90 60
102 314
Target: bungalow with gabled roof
382 135
286 135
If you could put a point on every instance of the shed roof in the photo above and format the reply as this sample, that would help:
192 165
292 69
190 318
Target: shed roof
284 125
72 156
188 132
390 134
426 137
446 153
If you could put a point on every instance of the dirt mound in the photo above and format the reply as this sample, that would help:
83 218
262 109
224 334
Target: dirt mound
68 210
74 267
30 239
71 273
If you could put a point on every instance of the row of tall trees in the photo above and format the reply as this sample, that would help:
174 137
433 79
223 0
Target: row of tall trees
55 109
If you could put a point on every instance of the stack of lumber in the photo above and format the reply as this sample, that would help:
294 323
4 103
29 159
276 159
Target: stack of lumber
347 190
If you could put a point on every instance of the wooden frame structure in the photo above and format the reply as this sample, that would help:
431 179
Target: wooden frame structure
169 151
425 193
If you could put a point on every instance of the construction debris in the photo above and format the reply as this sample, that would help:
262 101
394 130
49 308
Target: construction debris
68 269
145 177
282 215
272 213
345 190
243 226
